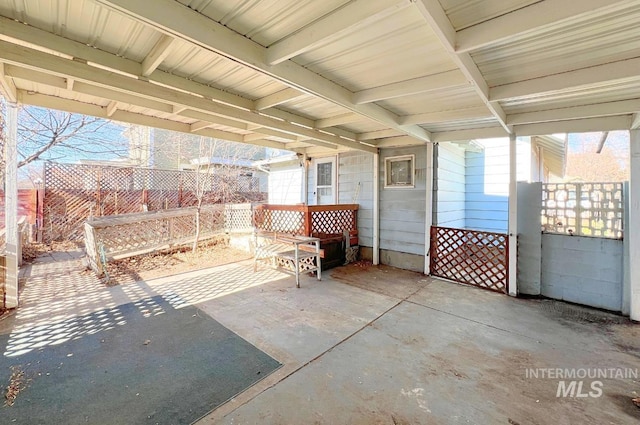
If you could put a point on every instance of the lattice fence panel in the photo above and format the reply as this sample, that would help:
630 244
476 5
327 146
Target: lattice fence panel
283 221
583 209
75 192
333 221
65 211
471 257
238 217
151 231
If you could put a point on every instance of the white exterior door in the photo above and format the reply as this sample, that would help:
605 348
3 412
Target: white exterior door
325 181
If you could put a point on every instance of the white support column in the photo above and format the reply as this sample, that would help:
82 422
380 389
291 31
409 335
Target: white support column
513 217
632 228
428 217
11 206
305 179
376 209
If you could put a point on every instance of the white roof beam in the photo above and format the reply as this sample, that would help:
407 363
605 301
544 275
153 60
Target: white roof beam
308 143
278 98
530 18
621 122
396 142
306 122
337 120
443 80
576 112
437 19
35 36
463 135
8 86
635 121
112 107
178 20
77 107
212 119
379 134
199 125
69 85
44 39
158 53
620 71
477 112
352 16
21 56
177 109
217 120
25 74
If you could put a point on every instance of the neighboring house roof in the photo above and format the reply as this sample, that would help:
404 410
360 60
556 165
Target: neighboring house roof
216 160
554 153
277 160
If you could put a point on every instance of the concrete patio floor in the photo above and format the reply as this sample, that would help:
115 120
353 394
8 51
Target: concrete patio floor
371 345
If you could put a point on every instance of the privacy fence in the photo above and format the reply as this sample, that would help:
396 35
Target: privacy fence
583 209
75 192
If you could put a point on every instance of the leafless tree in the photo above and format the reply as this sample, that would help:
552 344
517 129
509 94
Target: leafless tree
46 134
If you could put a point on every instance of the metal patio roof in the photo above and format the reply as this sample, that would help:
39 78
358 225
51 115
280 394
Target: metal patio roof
323 76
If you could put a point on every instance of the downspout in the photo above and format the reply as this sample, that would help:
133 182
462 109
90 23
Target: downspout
376 208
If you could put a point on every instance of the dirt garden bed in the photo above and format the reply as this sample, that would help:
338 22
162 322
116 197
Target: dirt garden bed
210 253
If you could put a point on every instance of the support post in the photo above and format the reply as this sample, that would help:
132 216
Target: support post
305 179
376 209
428 218
11 206
632 228
513 217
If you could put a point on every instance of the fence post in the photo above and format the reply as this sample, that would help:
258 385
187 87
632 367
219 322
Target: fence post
308 228
578 229
98 193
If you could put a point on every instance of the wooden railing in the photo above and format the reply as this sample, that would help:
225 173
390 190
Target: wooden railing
307 220
128 235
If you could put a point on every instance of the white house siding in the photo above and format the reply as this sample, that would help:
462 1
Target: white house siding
357 168
487 183
402 211
285 183
451 185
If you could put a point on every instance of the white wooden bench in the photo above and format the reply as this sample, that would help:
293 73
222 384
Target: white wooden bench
288 253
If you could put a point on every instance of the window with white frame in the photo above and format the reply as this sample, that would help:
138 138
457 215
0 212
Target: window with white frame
399 171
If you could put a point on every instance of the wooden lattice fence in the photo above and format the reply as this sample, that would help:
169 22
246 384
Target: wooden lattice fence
307 220
115 237
75 192
470 256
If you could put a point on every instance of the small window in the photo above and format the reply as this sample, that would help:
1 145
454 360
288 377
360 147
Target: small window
399 171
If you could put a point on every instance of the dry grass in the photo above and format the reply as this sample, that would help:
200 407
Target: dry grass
210 253
17 382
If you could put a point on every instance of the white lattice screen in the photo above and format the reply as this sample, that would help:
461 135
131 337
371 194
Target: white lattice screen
583 209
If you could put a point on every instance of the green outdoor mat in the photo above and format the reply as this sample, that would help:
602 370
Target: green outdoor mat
139 363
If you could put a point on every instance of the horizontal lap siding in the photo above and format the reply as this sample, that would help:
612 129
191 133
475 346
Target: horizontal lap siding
451 186
285 184
487 183
402 210
357 168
